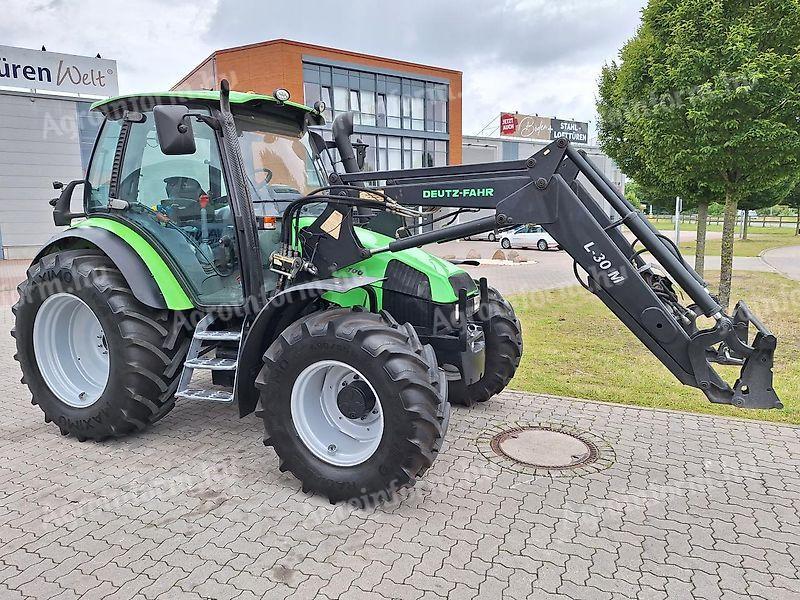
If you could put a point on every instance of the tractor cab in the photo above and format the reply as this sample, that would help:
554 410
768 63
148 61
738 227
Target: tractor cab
172 187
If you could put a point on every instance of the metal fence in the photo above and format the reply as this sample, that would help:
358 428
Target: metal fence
754 221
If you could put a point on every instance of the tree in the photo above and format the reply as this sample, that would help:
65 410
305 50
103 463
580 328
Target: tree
708 91
759 200
793 201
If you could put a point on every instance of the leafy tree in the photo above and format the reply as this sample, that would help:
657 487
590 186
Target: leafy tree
793 201
708 91
759 200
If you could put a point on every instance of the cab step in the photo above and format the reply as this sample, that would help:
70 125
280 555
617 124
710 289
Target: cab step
205 342
212 364
224 396
219 335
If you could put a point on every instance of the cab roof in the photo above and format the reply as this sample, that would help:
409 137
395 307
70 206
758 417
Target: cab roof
245 99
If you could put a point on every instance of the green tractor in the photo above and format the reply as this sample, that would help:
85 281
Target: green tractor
227 252
149 294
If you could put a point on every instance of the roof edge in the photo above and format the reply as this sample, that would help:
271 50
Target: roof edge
278 41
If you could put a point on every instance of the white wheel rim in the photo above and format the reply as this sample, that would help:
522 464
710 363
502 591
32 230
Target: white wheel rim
70 349
322 427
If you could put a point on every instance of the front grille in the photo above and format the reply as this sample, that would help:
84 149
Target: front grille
407 280
407 294
463 280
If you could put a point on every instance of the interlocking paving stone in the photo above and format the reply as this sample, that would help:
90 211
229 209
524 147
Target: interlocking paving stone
195 507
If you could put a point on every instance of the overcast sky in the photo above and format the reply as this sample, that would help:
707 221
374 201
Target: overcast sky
533 56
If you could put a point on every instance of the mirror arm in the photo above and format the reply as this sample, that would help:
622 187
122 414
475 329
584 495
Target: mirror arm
212 122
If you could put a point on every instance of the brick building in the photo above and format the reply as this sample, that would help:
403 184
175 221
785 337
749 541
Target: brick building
409 114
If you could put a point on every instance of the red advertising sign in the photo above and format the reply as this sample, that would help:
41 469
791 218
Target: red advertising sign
508 124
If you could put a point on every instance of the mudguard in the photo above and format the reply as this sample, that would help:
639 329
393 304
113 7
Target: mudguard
133 268
281 310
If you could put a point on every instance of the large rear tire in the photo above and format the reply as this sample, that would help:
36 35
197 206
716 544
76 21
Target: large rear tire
98 362
503 335
353 404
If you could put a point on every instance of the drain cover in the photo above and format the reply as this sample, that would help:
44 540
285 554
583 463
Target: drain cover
545 448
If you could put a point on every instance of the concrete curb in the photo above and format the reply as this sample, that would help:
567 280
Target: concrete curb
655 409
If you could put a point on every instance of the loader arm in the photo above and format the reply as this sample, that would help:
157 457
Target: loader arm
545 189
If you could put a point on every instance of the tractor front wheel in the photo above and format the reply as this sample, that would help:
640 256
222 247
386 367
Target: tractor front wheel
97 361
503 335
353 404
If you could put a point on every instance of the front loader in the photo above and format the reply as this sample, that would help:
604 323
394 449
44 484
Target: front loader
226 252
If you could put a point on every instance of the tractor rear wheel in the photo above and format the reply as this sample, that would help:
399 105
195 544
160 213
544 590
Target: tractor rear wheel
503 335
353 404
97 361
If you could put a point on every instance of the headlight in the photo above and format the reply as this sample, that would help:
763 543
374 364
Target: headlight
281 95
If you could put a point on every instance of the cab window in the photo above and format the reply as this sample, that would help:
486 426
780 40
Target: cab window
182 201
99 175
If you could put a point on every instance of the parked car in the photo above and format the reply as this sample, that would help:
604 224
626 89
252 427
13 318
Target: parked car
490 236
528 236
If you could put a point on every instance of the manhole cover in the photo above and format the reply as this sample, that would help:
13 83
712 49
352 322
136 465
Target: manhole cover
544 447
540 449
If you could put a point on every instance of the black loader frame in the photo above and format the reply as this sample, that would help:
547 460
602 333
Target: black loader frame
545 189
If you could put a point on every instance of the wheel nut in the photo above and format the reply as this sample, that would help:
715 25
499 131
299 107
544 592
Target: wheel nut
332 449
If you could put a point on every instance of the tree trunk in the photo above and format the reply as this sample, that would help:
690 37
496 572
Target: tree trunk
726 258
746 218
702 228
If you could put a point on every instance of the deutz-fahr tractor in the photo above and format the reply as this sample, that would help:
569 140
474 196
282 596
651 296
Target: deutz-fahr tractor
226 251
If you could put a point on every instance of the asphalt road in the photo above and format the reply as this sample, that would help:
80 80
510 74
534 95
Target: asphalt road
553 269
785 260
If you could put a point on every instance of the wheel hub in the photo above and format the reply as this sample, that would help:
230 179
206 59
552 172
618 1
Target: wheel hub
337 413
71 350
355 400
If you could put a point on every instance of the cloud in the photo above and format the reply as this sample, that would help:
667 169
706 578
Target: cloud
153 41
535 56
530 55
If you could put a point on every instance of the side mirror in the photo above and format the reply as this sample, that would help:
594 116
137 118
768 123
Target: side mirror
61 205
174 129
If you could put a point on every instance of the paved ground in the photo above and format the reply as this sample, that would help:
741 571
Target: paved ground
786 260
692 507
550 270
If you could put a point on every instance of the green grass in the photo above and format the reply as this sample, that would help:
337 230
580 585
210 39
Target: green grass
757 241
575 347
666 224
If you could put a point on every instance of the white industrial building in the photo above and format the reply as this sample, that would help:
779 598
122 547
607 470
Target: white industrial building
46 135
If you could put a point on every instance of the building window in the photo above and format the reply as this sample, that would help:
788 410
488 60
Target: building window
386 152
377 99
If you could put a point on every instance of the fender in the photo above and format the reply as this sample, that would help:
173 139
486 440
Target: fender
148 280
281 310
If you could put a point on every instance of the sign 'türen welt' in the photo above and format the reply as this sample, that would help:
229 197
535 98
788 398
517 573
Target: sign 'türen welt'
33 69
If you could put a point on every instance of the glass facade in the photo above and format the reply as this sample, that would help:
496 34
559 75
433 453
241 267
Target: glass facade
380 101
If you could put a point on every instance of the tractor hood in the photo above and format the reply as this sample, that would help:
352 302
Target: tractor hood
412 272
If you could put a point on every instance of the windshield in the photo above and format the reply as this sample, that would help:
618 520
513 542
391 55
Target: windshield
277 162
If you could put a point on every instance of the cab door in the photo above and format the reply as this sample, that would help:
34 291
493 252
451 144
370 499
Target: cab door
180 204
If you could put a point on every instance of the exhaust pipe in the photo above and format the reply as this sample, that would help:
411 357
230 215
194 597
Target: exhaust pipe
342 130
